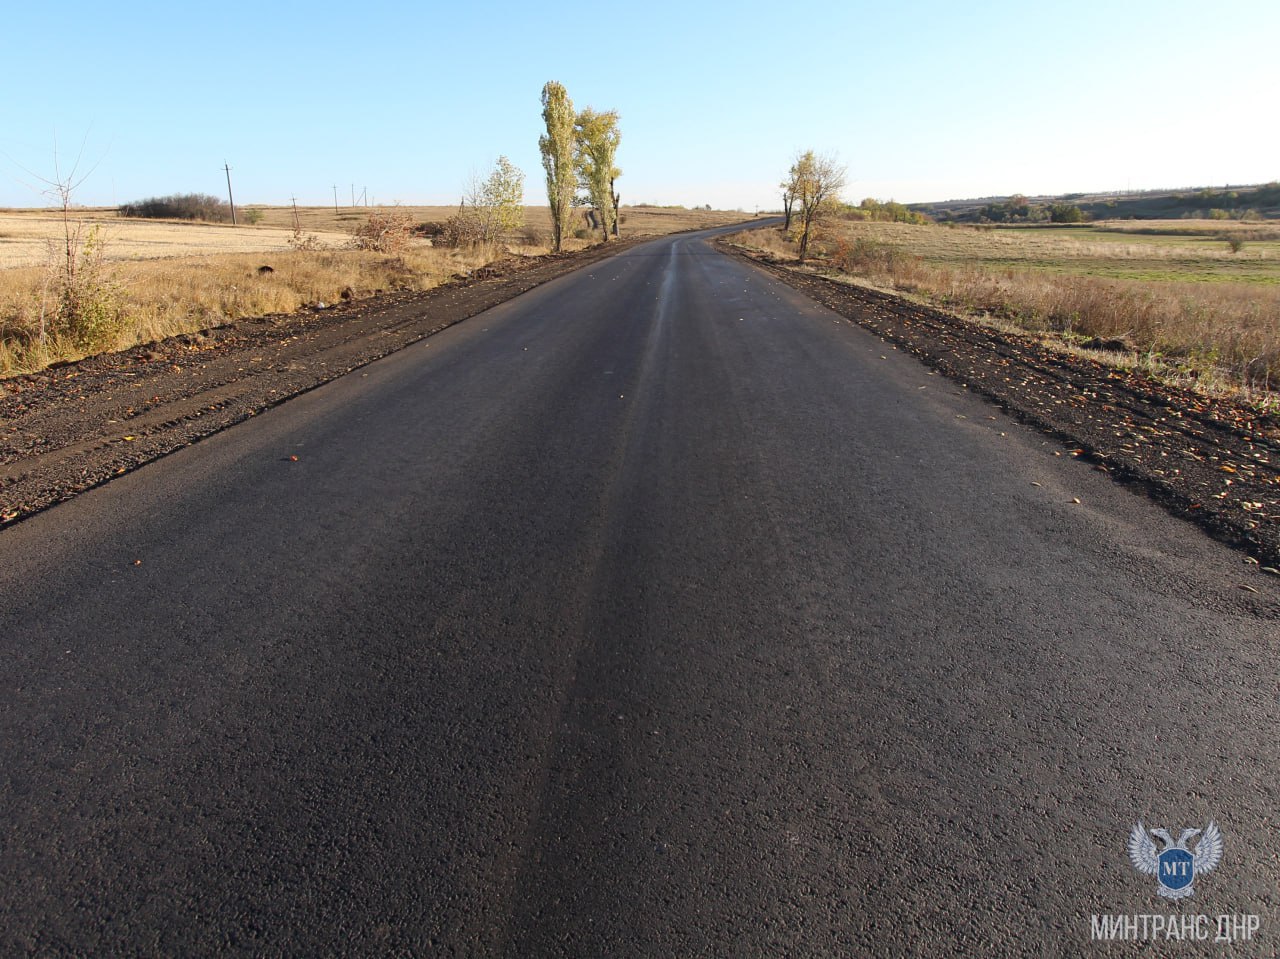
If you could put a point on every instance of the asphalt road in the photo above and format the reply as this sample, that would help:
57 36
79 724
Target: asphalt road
657 612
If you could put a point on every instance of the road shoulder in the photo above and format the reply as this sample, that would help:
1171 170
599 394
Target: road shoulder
1209 461
77 425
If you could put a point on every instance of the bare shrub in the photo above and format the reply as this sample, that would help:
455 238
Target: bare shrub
385 231
304 242
460 230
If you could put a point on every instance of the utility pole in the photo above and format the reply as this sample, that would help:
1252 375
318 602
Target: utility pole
230 198
335 198
353 194
297 228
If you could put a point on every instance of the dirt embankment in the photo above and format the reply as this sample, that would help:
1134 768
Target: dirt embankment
1214 462
74 426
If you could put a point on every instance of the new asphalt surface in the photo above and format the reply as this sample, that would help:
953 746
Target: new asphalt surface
656 612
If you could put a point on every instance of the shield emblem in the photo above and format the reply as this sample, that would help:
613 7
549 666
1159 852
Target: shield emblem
1175 868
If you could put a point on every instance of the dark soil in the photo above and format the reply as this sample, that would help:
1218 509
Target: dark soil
1212 461
76 425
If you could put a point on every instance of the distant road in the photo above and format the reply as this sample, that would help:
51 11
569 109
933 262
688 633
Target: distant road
656 612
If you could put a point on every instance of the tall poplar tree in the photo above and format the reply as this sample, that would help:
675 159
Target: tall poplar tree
598 139
557 147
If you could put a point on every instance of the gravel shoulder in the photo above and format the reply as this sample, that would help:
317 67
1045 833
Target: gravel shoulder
1210 461
74 426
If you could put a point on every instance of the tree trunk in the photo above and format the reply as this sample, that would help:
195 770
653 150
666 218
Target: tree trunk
786 208
617 202
804 240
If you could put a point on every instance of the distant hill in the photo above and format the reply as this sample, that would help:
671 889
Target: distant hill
1209 203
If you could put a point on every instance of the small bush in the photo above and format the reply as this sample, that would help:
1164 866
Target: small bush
1066 213
180 206
251 216
88 305
1235 243
581 233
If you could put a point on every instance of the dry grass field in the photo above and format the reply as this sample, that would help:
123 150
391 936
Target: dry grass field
161 278
1188 307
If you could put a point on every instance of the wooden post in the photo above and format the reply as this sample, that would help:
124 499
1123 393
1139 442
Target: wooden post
230 198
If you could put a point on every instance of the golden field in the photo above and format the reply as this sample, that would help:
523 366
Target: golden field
162 278
25 234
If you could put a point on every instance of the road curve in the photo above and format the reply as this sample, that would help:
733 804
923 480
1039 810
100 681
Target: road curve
656 612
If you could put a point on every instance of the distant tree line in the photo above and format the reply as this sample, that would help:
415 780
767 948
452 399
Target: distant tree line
1260 202
1018 209
884 212
180 206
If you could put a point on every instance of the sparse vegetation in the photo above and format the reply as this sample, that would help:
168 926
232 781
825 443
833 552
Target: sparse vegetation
1194 313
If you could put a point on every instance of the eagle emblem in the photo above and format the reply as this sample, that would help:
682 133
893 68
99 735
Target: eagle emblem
1175 866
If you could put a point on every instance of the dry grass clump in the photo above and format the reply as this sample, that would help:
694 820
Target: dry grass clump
1222 335
162 298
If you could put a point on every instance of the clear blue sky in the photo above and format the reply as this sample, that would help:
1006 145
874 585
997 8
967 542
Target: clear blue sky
924 100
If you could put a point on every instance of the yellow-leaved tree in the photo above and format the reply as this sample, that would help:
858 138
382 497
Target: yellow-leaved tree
557 148
815 181
598 138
